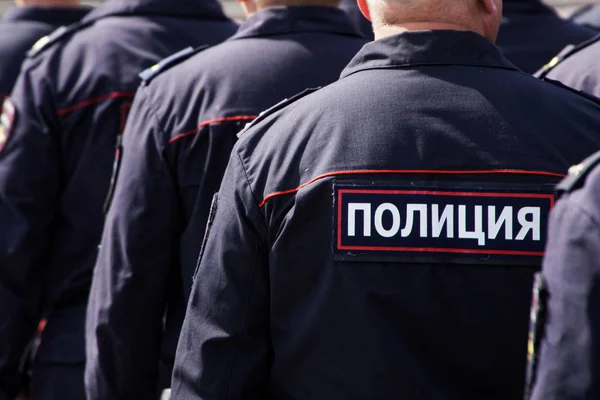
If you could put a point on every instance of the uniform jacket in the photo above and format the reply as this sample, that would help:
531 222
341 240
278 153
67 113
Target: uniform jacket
378 238
57 144
20 28
182 127
531 34
566 352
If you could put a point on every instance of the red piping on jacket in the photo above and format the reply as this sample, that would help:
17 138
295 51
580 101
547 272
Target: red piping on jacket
94 100
391 171
213 121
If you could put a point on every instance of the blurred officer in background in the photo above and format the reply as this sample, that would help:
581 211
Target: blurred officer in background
57 145
23 25
567 311
378 238
531 34
588 16
577 67
181 130
359 20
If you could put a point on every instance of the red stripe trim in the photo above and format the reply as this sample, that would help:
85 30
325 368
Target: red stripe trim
443 250
213 121
391 171
94 100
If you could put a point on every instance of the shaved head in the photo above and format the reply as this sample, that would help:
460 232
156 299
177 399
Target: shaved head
393 16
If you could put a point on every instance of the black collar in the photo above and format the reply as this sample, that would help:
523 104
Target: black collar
51 15
428 48
176 8
527 7
282 20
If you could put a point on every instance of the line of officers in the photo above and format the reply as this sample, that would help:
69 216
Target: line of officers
139 180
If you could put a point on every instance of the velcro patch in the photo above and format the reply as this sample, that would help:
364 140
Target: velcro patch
7 118
441 223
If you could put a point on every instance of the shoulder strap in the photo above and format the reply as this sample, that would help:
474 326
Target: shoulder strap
59 34
169 62
577 174
570 89
282 104
564 54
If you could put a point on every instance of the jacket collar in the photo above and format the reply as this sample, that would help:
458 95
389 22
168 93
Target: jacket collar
176 8
419 48
282 20
51 15
512 7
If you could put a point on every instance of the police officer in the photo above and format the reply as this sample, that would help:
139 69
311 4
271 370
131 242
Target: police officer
531 34
57 144
565 352
378 238
577 67
361 23
23 25
182 127
588 16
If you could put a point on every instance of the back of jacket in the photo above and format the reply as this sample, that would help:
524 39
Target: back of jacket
531 34
57 145
378 238
20 28
179 136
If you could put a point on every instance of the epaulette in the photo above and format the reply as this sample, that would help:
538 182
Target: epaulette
580 11
577 175
56 36
563 55
168 62
282 104
570 89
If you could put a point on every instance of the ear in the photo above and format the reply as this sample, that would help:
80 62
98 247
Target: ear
364 9
489 6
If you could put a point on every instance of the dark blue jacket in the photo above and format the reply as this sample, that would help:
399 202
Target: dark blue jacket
20 28
377 239
182 127
57 145
588 16
577 67
531 34
567 349
359 20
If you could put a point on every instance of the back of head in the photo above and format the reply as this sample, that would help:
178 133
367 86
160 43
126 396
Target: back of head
394 16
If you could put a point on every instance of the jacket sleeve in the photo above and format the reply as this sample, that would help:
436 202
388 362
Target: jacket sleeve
569 355
128 295
29 181
224 349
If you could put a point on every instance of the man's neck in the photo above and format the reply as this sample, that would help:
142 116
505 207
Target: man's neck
389 30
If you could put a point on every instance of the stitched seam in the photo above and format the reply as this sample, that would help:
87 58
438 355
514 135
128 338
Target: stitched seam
92 101
210 122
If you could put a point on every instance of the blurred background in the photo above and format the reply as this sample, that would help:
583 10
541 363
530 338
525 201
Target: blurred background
564 7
